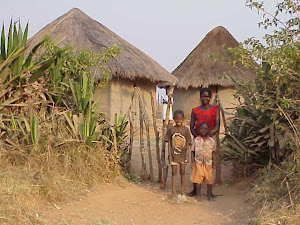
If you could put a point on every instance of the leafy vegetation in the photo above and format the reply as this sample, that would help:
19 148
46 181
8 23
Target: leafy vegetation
50 128
265 130
267 122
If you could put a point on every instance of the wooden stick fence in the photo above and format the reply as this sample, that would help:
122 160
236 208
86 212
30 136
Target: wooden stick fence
143 121
156 137
146 121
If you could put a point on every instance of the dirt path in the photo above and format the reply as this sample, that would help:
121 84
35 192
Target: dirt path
146 204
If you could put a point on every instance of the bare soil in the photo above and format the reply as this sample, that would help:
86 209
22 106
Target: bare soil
145 204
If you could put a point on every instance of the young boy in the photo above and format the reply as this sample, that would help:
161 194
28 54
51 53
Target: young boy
204 161
179 139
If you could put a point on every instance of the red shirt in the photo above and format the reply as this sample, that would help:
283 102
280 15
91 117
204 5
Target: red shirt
208 116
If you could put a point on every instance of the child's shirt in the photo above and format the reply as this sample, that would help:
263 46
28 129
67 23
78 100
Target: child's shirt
179 139
203 150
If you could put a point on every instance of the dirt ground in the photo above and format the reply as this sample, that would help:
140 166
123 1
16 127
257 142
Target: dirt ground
145 204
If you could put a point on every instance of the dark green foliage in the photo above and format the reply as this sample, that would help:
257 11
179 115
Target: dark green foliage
266 125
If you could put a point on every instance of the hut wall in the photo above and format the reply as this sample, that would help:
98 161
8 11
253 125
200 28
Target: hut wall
116 96
186 100
227 100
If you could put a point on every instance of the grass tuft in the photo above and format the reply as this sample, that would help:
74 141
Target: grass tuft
52 176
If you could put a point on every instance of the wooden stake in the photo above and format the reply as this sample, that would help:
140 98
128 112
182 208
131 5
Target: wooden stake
131 132
156 138
163 149
223 117
218 149
218 159
142 149
130 141
149 152
164 164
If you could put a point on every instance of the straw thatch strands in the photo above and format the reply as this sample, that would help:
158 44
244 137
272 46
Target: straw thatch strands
130 68
200 70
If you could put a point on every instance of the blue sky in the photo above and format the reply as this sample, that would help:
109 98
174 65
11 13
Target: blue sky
166 30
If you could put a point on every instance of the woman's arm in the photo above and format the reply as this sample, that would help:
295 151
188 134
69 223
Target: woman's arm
192 125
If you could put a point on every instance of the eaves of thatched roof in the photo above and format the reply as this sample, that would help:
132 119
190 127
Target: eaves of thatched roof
200 70
78 30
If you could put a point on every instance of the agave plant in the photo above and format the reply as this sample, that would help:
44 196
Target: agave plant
17 70
259 135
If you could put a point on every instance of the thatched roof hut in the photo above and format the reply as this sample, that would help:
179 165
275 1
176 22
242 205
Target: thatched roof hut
130 68
200 70
78 30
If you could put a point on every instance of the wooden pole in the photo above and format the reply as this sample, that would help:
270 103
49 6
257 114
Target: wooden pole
218 159
149 152
130 142
156 138
131 132
218 149
142 149
163 148
223 117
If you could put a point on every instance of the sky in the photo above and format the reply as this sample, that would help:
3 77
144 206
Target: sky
166 30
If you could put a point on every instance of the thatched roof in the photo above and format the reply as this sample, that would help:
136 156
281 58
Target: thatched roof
200 70
78 30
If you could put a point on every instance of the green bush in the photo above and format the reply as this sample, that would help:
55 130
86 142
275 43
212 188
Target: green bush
265 128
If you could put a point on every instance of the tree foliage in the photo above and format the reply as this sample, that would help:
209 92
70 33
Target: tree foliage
266 126
265 129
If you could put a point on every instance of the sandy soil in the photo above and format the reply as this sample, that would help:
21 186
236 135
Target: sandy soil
145 204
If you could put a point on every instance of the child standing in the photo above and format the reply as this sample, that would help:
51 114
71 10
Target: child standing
179 139
204 161
204 113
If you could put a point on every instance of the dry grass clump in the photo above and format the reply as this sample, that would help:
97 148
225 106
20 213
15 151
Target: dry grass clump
276 195
54 175
15 187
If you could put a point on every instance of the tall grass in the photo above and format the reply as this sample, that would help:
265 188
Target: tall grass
56 175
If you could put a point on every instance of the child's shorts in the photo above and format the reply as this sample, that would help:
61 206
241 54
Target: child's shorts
201 174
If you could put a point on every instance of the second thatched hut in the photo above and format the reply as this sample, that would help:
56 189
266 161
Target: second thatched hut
200 70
